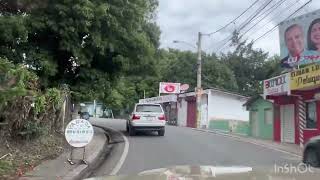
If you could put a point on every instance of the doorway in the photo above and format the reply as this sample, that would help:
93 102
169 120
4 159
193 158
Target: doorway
287 123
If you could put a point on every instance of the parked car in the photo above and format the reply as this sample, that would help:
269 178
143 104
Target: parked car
147 117
84 115
311 153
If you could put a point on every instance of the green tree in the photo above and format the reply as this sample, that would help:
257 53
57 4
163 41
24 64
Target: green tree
272 67
181 66
248 65
216 74
89 45
178 66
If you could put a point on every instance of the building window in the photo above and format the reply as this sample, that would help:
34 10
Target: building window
268 116
311 115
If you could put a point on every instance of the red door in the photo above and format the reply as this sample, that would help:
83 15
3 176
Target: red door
191 114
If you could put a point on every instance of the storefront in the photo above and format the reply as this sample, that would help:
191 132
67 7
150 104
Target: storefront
220 110
305 85
297 109
284 124
187 109
297 112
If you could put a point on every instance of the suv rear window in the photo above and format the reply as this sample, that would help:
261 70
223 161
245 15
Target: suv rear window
148 108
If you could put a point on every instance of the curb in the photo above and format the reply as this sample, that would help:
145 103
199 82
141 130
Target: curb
84 171
113 135
242 138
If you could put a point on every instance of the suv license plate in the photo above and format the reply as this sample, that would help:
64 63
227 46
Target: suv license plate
149 118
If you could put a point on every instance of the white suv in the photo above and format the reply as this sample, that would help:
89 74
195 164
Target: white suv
147 117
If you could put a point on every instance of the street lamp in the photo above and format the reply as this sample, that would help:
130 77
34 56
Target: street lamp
186 43
198 88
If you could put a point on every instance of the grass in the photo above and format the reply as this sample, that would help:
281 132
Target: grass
27 154
6 167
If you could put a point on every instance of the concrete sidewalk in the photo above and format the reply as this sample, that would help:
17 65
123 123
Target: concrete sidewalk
284 147
60 168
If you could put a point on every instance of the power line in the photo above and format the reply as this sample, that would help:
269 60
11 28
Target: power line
247 21
235 19
255 14
281 12
275 6
272 29
270 8
276 16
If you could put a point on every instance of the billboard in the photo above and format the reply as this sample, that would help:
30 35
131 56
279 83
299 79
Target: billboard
169 88
300 40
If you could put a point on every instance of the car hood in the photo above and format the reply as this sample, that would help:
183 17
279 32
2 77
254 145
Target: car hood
219 172
314 139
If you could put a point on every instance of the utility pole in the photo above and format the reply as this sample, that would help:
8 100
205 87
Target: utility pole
199 88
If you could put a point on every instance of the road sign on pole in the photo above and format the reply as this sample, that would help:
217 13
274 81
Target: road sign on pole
79 132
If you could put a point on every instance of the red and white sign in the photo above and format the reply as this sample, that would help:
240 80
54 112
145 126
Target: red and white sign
276 85
169 88
184 87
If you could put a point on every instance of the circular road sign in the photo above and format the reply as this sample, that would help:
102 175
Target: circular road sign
184 87
79 132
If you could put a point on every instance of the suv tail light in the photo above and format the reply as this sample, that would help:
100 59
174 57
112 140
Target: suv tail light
135 117
162 117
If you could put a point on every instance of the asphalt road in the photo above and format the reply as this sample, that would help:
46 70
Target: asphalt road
184 146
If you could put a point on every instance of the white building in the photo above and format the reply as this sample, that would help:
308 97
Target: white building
219 108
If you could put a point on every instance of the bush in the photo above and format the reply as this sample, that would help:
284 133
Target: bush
32 129
28 111
6 167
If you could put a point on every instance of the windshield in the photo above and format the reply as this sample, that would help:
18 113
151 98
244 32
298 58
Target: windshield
94 88
149 108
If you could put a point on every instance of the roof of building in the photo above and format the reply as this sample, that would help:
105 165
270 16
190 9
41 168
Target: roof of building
206 91
252 99
229 92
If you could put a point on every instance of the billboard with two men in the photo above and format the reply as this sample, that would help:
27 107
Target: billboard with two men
300 40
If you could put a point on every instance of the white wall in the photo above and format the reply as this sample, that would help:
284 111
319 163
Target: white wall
204 111
225 106
99 111
182 112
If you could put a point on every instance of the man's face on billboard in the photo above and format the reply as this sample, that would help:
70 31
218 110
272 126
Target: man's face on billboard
294 40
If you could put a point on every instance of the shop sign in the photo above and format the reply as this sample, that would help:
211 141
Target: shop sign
276 85
160 99
169 88
306 77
